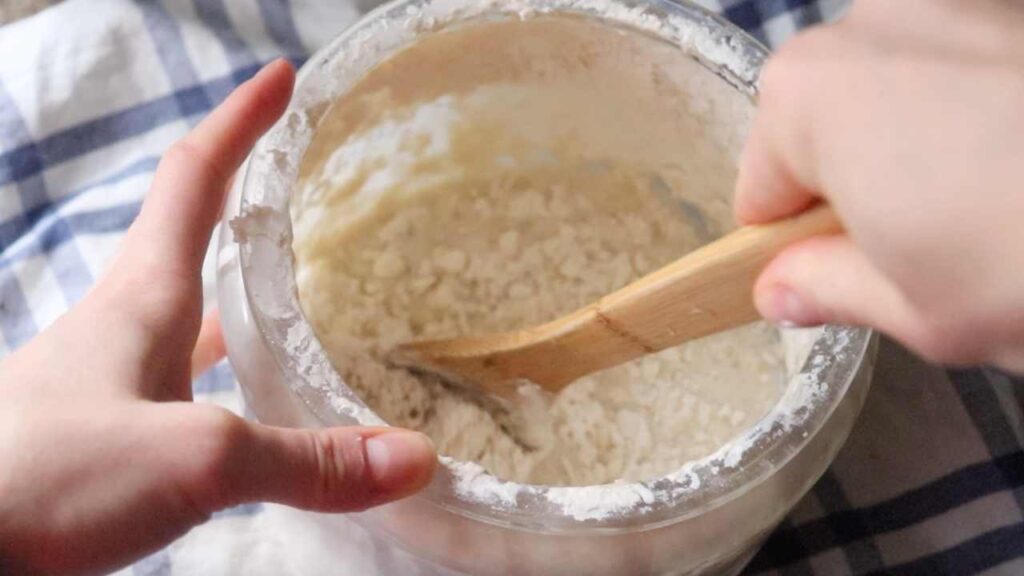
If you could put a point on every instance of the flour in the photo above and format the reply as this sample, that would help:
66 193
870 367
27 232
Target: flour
540 185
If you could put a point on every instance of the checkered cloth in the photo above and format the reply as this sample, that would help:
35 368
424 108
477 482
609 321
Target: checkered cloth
93 91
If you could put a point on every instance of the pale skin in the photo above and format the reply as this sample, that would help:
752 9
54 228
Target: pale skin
103 456
907 118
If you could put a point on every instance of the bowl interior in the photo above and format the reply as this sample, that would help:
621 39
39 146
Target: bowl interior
645 128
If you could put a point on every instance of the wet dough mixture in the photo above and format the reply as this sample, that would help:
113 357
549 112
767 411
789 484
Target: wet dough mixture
552 162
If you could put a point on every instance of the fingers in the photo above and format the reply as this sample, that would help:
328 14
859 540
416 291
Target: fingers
337 469
182 206
210 347
778 174
829 280
766 188
153 284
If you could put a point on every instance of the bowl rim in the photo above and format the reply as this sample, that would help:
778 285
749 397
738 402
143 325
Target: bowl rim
263 233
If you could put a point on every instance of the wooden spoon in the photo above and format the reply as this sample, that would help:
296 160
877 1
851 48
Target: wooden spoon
708 290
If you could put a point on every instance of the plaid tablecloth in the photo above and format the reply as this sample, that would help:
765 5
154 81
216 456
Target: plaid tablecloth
93 91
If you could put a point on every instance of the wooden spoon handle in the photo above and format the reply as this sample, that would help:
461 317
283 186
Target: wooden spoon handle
706 291
711 288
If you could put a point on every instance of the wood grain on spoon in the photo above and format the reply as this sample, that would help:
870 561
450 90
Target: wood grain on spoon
707 291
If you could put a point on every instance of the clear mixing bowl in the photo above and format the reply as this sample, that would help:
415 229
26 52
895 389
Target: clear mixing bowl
709 517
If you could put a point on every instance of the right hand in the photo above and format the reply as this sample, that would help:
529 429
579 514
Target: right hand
908 118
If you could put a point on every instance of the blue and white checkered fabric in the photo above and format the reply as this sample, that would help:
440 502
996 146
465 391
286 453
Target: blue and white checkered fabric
93 91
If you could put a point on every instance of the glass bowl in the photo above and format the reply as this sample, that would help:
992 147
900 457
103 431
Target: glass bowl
708 517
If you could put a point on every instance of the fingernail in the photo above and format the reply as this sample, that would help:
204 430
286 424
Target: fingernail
400 461
785 307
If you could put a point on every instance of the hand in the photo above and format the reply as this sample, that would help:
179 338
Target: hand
103 457
907 118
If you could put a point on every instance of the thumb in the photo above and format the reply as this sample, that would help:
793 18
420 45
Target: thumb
830 280
233 461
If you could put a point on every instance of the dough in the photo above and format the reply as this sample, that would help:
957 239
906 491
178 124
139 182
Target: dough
551 162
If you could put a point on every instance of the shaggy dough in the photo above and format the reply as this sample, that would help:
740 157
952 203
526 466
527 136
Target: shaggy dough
548 171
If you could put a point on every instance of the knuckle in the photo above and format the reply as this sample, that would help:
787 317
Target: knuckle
220 436
776 80
208 442
941 342
795 63
158 307
783 78
143 286
328 474
795 51
340 472
186 156
933 347
182 153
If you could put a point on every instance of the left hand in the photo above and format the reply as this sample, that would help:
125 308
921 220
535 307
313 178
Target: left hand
103 456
